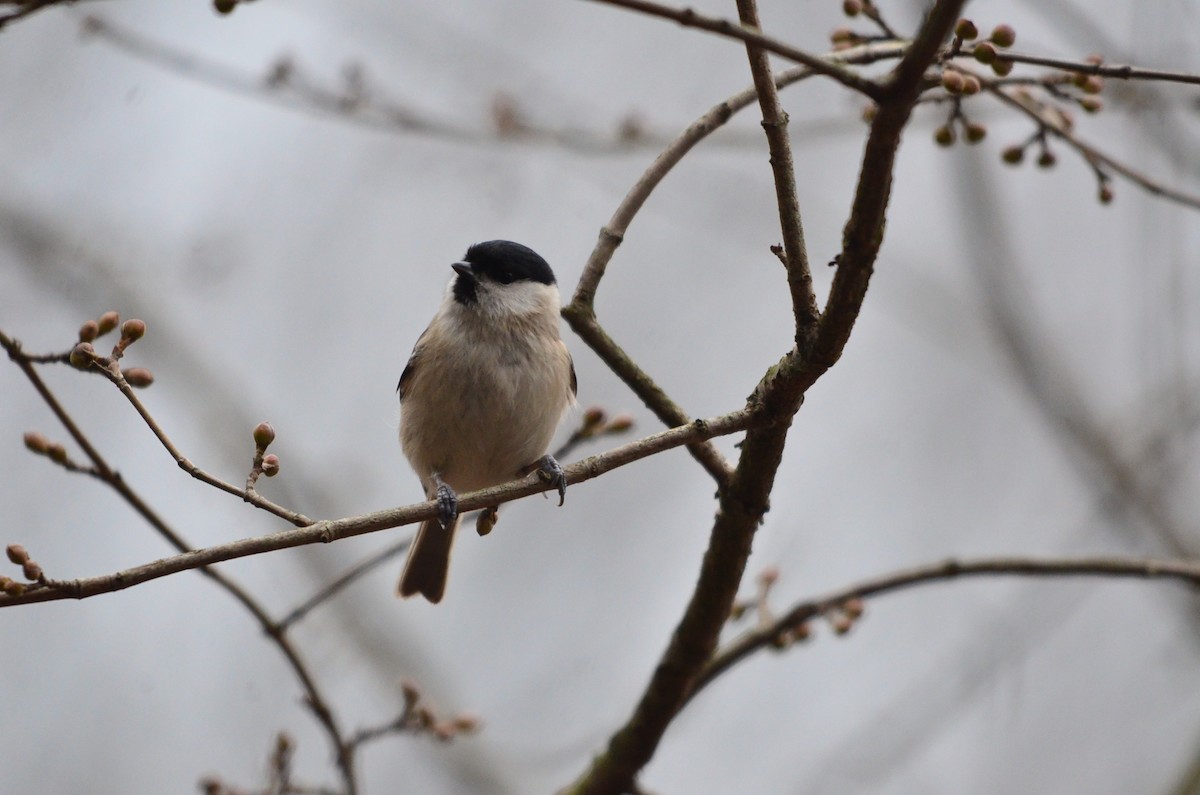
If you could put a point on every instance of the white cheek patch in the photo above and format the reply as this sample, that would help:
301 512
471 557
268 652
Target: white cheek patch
518 298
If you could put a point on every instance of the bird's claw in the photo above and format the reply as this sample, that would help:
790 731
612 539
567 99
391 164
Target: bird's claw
550 471
447 504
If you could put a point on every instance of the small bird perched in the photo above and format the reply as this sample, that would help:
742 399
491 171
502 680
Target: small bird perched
482 394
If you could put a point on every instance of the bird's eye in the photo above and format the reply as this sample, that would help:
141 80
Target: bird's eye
505 277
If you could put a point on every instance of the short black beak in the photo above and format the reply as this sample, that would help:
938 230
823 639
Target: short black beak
464 269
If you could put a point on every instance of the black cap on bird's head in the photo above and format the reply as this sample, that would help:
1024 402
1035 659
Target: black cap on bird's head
499 261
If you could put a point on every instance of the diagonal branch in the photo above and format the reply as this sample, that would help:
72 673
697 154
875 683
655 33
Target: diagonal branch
313 696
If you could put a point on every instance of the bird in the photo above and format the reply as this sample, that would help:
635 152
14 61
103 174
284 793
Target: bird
482 395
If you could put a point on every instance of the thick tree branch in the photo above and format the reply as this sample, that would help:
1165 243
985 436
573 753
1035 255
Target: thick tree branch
744 501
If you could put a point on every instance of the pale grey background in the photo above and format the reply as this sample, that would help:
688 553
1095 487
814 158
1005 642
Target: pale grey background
285 263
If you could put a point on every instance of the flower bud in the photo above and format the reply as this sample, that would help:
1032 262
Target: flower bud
264 434
1013 155
853 607
107 322
31 570
36 443
971 85
132 330
467 723
1091 104
953 81
16 554
1046 159
1093 84
768 576
270 465
1002 68
14 588
1106 194
984 52
842 624
82 355
89 331
852 8
224 6
593 417
975 132
842 36
139 377
443 731
57 453
1004 36
966 30
944 135
620 423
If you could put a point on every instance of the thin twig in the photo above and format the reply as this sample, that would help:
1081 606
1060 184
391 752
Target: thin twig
312 694
1182 570
1115 71
343 580
690 18
326 531
774 122
110 369
1089 152
29 7
580 312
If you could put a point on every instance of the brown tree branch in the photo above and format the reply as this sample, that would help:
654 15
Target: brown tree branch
327 531
799 614
1115 71
690 18
580 313
745 499
774 122
313 696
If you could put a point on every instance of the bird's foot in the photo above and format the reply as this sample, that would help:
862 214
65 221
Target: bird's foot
447 503
550 471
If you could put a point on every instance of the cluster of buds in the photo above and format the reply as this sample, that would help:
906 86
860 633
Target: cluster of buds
842 617
84 355
986 51
30 569
421 719
596 423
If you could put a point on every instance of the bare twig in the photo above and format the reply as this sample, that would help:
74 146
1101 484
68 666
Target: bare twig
1090 153
774 122
313 696
331 530
690 18
1115 567
1115 71
346 578
112 371
28 7
580 312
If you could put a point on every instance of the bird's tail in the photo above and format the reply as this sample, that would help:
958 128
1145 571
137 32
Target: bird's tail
428 561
